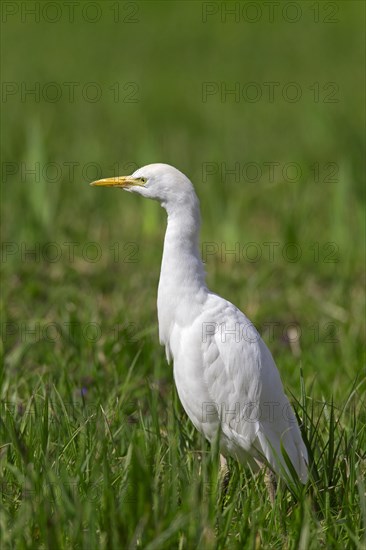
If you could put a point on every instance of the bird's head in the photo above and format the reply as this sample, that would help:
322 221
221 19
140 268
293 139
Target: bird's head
160 182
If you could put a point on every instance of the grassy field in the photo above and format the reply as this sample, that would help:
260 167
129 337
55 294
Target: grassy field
263 109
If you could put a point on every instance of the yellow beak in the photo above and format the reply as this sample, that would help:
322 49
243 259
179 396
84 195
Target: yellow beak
119 181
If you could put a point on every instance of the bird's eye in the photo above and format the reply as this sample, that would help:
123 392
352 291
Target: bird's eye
144 180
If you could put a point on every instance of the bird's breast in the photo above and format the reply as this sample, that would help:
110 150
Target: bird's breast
190 381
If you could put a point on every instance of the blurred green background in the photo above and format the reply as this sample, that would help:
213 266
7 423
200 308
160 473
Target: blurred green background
105 87
130 89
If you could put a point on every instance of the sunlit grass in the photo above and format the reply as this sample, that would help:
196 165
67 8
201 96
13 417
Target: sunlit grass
96 451
127 465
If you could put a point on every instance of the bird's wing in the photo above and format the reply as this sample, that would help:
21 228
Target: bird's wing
245 386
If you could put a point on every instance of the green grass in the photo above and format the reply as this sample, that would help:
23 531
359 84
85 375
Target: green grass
96 451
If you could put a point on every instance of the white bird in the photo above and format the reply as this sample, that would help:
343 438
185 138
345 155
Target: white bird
226 378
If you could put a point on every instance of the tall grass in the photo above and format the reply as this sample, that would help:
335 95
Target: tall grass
92 474
95 449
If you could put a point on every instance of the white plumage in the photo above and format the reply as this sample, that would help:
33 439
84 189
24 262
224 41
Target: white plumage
225 375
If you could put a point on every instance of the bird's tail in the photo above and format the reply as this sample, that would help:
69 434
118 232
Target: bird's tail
275 449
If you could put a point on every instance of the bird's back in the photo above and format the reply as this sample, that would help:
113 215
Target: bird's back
227 380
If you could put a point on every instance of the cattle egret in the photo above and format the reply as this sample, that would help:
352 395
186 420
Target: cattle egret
225 375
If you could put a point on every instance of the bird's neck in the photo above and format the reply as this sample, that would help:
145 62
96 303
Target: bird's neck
182 269
182 287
